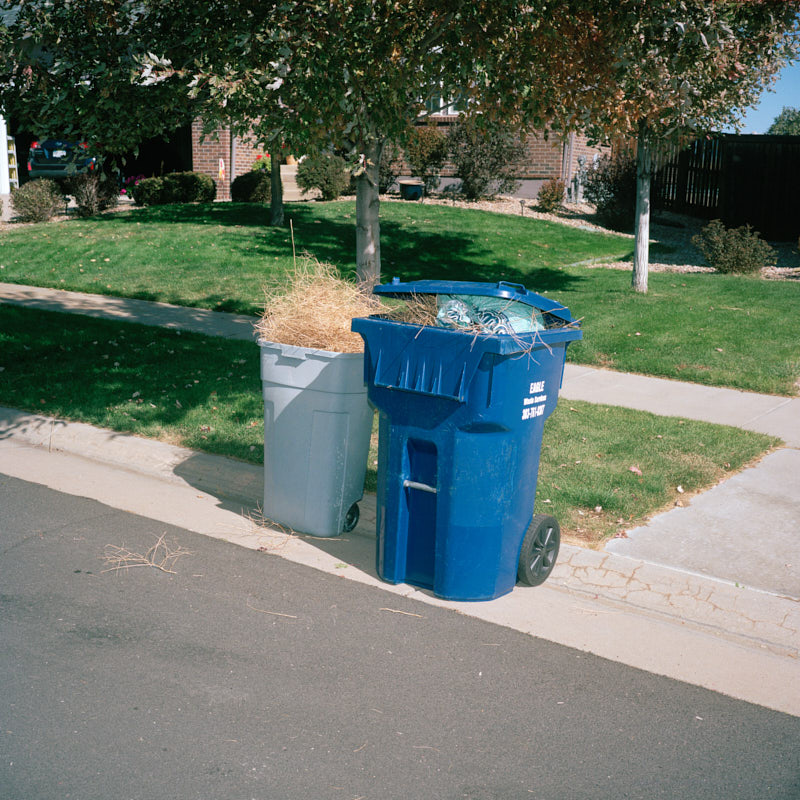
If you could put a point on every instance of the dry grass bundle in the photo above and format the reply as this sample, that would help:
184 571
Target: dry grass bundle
418 309
314 309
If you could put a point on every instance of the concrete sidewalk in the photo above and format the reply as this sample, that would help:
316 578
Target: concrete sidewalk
735 587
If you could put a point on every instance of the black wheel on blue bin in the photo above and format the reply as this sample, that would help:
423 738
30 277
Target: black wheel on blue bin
539 550
351 518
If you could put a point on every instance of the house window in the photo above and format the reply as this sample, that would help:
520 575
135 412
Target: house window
439 103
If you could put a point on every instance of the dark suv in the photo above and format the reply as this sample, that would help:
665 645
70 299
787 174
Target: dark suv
57 158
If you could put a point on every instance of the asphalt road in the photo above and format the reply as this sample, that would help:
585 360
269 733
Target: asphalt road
243 676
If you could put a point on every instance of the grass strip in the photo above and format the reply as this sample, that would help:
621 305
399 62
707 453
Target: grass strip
718 330
605 469
205 393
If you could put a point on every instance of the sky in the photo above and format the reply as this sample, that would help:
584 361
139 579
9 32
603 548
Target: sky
785 92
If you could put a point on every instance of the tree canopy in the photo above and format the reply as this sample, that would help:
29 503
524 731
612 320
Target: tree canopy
347 75
341 74
787 123
74 68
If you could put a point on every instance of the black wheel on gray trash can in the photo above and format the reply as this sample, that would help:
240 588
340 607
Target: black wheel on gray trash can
539 550
351 518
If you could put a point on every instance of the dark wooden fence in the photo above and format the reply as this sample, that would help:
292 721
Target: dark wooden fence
750 179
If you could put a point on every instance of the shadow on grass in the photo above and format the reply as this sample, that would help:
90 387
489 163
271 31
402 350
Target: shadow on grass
408 252
414 254
225 214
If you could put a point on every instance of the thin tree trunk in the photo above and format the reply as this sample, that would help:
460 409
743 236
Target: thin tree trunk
641 256
368 227
276 203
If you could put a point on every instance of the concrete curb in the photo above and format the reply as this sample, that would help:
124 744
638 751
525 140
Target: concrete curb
748 616
221 477
741 612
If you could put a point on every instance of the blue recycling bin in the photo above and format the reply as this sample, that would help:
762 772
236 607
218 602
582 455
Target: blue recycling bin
461 416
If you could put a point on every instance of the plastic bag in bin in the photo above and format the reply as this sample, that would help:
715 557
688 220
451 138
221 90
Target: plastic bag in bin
495 315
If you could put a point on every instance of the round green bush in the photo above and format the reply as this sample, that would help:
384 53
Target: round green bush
93 192
734 250
175 187
325 172
426 151
148 192
189 187
37 200
611 188
252 187
486 157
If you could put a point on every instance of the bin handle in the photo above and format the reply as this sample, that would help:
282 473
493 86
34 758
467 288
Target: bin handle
516 286
423 487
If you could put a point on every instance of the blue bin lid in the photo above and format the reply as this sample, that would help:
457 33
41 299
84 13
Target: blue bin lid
502 289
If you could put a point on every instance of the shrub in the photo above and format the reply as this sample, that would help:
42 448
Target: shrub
189 187
389 167
175 187
551 195
733 250
108 190
37 200
426 152
486 158
611 188
324 172
148 192
85 191
92 192
252 187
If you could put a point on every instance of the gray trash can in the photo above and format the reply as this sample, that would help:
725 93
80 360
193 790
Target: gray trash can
317 427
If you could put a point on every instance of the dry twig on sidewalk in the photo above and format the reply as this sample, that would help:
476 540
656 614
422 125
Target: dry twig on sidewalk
406 613
161 555
271 613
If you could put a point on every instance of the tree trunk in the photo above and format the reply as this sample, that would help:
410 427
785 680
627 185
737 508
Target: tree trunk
276 202
368 227
641 256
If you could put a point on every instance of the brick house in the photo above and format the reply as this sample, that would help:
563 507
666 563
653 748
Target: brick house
555 157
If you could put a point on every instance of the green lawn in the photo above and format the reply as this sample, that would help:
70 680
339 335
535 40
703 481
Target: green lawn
197 392
219 255
205 393
720 330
